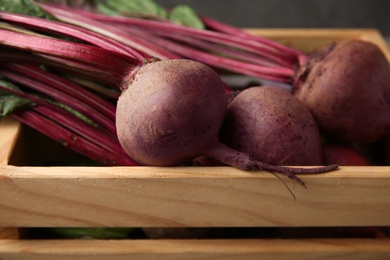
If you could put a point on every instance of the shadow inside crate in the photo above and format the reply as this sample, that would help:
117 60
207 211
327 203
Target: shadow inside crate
206 233
35 149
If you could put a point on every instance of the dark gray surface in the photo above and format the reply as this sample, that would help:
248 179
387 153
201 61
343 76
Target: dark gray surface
295 13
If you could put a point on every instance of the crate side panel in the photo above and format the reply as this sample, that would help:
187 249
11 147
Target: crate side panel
9 233
9 133
192 196
198 249
308 40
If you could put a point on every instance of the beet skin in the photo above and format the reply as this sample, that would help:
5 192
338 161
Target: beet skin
347 88
272 126
170 112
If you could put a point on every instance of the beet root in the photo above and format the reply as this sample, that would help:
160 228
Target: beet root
347 88
171 112
273 126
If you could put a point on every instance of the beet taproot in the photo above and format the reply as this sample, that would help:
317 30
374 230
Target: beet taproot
273 126
347 88
171 112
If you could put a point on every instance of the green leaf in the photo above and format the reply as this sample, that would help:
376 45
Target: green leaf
181 14
74 112
133 8
93 233
185 15
10 102
104 9
27 7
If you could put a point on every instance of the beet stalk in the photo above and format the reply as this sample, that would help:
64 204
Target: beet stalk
64 29
169 112
267 53
38 83
69 139
79 125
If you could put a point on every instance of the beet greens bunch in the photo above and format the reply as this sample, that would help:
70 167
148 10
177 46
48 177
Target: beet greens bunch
70 66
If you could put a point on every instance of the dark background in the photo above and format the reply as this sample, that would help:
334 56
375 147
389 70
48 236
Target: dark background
295 13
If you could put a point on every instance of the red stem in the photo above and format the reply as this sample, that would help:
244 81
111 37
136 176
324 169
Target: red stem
89 71
275 74
73 16
223 48
62 65
221 38
299 57
72 31
69 139
94 86
226 28
115 63
223 60
72 123
69 88
59 96
204 45
86 131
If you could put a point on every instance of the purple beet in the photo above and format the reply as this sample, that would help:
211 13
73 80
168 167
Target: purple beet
273 126
347 88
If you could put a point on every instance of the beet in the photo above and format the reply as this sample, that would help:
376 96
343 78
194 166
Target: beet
158 116
273 126
347 88
171 112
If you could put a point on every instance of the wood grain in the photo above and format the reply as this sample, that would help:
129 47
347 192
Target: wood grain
190 196
9 132
198 249
9 233
308 40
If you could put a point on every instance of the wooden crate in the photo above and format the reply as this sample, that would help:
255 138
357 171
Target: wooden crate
33 194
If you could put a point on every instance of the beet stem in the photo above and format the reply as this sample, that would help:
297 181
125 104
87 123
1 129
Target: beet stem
59 96
243 161
216 55
74 124
226 28
72 31
115 63
78 18
279 74
211 46
60 64
172 28
62 116
68 138
65 86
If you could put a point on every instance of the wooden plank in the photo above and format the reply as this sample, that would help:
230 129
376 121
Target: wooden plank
9 132
310 39
190 196
9 233
295 36
197 249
